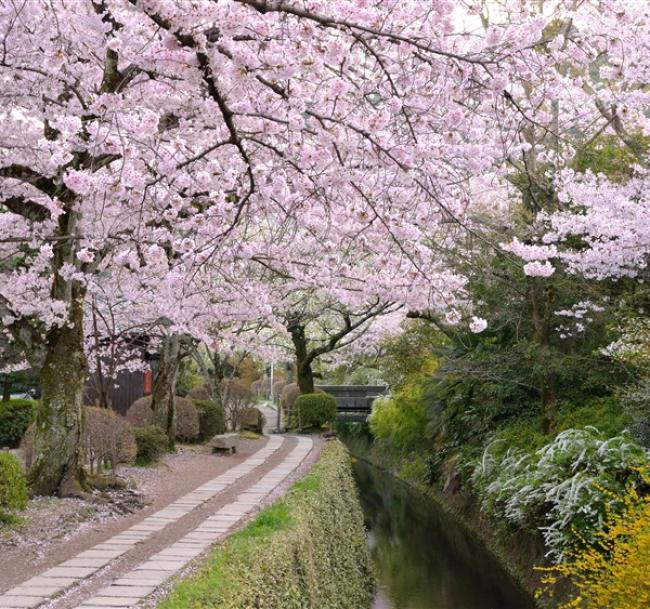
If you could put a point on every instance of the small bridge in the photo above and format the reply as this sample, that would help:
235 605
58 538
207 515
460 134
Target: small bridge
353 402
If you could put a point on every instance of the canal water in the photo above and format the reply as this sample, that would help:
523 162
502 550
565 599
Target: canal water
423 558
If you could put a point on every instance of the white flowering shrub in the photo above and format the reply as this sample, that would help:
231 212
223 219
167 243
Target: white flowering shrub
564 488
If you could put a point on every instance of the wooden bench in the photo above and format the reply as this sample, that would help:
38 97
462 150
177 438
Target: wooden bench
225 443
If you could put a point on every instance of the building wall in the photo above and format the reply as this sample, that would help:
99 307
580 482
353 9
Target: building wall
128 387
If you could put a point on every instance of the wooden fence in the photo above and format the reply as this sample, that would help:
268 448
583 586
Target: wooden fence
128 387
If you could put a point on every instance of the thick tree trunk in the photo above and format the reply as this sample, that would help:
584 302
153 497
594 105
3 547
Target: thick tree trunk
547 381
58 449
218 378
305 377
6 389
164 386
304 372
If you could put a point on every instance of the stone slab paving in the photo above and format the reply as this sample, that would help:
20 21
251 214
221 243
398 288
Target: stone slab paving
136 585
56 580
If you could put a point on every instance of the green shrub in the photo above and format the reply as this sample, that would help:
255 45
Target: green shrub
400 420
152 443
288 397
636 402
415 468
15 417
313 410
524 433
13 487
212 419
565 489
188 379
364 376
605 413
307 551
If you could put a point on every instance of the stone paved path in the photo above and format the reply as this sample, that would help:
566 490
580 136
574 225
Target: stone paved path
134 585
270 414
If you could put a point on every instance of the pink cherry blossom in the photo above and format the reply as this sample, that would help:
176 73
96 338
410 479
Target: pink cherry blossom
477 325
198 165
539 269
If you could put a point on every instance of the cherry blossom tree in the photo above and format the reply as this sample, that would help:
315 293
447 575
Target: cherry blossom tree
574 129
162 137
581 162
324 329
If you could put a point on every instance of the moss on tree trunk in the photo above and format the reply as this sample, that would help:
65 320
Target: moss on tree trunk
164 386
305 377
58 463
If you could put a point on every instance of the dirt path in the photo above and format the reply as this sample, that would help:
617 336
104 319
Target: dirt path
160 485
138 557
170 534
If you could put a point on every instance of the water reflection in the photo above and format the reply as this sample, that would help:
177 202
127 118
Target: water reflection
424 559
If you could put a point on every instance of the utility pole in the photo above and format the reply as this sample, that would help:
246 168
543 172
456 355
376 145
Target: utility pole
277 406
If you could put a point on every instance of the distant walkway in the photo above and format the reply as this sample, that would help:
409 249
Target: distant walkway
127 567
271 416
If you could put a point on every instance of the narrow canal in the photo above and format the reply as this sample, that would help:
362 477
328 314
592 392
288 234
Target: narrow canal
423 558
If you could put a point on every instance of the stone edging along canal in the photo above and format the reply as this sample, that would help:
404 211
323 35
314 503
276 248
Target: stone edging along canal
516 554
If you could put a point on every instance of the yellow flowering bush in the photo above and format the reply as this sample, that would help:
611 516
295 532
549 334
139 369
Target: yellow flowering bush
613 573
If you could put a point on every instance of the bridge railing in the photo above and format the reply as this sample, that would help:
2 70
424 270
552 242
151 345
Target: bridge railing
354 402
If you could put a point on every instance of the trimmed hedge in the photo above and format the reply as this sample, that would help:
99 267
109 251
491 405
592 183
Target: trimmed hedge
152 443
108 440
307 551
15 417
252 419
186 418
313 410
212 419
288 397
13 487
